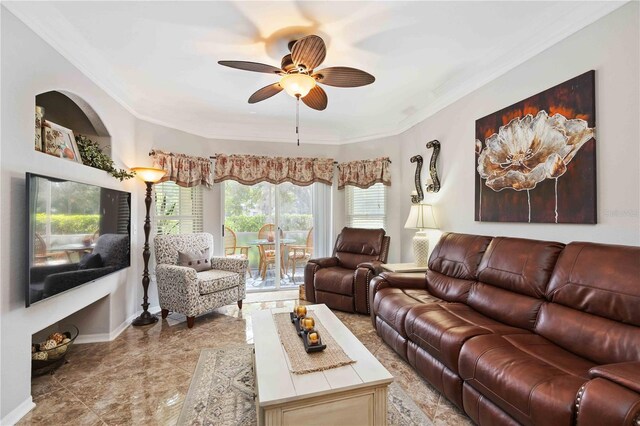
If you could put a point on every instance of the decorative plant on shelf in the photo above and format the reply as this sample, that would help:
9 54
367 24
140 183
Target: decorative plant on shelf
93 156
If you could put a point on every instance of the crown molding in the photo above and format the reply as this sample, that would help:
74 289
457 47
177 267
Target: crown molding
71 45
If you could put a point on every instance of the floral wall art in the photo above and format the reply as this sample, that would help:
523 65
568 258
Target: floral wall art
536 160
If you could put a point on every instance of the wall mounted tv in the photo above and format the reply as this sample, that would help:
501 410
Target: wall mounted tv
77 234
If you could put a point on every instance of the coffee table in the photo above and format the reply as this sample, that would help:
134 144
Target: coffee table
355 394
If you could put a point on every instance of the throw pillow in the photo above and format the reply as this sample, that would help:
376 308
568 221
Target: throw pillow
90 261
198 259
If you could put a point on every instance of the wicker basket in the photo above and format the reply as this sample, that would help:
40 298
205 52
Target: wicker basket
52 358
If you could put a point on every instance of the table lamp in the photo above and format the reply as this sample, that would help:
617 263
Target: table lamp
421 218
150 176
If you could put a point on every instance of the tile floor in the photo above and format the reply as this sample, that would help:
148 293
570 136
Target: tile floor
142 377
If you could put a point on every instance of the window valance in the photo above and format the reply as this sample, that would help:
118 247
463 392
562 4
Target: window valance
252 169
184 170
364 173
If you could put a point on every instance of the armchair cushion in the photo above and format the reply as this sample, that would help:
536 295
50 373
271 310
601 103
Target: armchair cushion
335 280
196 259
214 280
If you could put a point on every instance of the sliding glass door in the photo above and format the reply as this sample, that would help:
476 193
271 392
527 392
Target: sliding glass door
271 225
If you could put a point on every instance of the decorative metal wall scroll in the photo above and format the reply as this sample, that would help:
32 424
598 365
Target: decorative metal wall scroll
419 196
433 171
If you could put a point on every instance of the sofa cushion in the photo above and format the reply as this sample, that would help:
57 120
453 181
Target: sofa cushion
515 272
453 265
442 328
599 339
529 377
90 261
601 279
335 280
214 280
519 265
392 305
458 255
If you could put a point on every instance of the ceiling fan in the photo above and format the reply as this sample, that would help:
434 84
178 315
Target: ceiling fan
299 77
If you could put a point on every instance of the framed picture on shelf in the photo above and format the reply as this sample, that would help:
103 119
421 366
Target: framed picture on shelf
60 142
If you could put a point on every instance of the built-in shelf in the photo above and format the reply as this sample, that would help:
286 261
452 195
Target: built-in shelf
69 111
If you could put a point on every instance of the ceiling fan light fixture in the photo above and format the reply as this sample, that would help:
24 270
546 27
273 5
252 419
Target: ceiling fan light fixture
297 84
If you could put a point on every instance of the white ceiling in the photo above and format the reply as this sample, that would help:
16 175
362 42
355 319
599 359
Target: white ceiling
159 59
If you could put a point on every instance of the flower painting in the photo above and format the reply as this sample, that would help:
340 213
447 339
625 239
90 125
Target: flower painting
536 160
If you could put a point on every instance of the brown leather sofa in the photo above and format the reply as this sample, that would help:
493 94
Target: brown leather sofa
517 331
342 281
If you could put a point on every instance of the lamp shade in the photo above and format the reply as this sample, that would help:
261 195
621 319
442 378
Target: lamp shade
297 84
421 217
149 174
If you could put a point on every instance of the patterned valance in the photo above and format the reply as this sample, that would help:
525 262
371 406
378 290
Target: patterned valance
182 169
252 169
364 173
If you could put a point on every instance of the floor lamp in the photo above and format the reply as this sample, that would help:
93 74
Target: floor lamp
149 176
421 218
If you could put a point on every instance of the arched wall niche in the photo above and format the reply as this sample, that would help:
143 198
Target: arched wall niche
71 111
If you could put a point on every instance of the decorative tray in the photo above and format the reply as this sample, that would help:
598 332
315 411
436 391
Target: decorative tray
304 334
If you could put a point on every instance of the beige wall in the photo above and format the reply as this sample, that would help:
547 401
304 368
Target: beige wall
611 47
29 67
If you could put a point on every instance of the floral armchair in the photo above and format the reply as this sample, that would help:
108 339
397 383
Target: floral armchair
182 289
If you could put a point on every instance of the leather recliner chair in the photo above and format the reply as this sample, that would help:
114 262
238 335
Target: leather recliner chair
342 281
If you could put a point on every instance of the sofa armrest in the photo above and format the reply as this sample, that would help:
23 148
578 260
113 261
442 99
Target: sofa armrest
362 277
625 374
176 277
230 264
374 266
604 402
178 289
406 280
412 280
325 262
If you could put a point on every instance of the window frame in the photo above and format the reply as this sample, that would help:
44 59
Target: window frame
359 220
185 195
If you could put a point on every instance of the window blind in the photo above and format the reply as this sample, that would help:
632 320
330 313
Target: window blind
178 210
366 208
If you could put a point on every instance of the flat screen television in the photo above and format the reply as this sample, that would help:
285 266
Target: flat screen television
77 233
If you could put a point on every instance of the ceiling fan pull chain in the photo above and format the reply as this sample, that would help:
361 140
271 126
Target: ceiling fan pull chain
298 118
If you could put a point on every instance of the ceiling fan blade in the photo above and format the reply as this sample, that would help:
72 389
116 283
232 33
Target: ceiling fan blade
309 51
251 66
265 93
343 77
316 99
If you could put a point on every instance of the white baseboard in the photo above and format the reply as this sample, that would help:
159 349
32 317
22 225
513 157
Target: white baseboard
17 413
107 337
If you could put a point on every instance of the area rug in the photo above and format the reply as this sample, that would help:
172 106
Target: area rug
221 393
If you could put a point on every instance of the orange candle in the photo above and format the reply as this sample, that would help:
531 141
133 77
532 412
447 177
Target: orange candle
300 311
313 338
308 323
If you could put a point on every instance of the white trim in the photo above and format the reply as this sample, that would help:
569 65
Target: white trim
91 65
108 337
19 412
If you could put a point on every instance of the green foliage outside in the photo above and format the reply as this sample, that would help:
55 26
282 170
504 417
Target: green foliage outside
290 222
65 224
